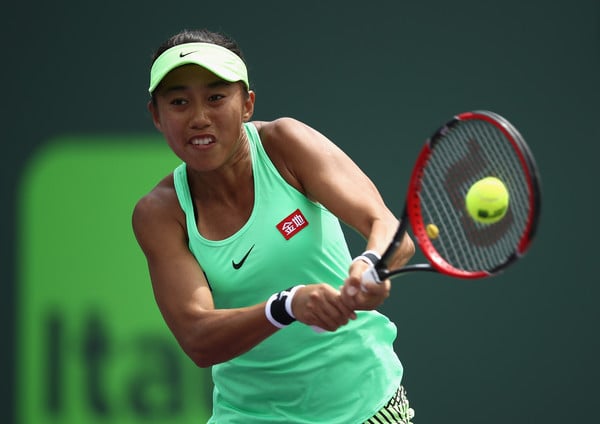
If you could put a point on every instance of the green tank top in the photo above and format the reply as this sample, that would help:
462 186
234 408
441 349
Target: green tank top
296 375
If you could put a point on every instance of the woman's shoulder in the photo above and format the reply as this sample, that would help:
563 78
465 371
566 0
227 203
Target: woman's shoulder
278 128
160 202
285 135
281 140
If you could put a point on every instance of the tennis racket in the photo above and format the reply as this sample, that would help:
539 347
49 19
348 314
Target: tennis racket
468 148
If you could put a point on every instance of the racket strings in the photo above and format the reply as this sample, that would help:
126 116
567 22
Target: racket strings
472 150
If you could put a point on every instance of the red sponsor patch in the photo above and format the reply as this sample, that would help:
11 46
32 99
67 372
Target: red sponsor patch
292 224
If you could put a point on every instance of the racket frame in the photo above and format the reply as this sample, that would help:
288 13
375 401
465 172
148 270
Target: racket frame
412 212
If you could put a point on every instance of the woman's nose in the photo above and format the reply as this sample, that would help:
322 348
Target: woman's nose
199 118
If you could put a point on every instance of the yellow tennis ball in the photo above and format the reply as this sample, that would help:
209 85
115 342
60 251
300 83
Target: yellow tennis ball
487 200
432 231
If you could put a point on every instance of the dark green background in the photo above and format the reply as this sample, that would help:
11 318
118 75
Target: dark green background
376 77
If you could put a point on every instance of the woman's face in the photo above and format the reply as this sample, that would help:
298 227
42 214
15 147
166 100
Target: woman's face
201 116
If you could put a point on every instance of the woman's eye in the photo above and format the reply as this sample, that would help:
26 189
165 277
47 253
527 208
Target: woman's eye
216 97
178 102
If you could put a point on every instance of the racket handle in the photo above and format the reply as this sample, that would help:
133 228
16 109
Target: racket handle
370 276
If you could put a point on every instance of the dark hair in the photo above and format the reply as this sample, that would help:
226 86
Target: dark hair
199 36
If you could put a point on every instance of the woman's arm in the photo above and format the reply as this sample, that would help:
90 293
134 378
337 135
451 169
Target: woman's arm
314 165
208 335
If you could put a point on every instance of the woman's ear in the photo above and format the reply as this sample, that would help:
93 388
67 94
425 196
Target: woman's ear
249 106
154 112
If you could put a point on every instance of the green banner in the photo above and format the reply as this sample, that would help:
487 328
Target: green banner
92 346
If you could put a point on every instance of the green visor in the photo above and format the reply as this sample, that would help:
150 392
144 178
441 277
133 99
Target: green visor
219 60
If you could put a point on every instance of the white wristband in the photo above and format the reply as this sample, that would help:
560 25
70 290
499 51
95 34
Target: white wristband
278 308
369 256
288 300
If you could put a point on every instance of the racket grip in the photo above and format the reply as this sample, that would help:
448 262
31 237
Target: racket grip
370 276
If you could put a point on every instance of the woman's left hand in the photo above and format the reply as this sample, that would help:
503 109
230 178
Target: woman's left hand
359 296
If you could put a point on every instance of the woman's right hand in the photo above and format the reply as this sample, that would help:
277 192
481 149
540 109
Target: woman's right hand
321 305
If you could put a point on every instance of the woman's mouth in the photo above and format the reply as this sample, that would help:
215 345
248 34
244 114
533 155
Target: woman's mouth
202 141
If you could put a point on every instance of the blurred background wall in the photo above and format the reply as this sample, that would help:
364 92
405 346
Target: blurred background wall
83 340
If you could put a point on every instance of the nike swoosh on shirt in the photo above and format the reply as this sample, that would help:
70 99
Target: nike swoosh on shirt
239 264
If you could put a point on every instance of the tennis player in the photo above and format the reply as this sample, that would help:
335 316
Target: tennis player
247 256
